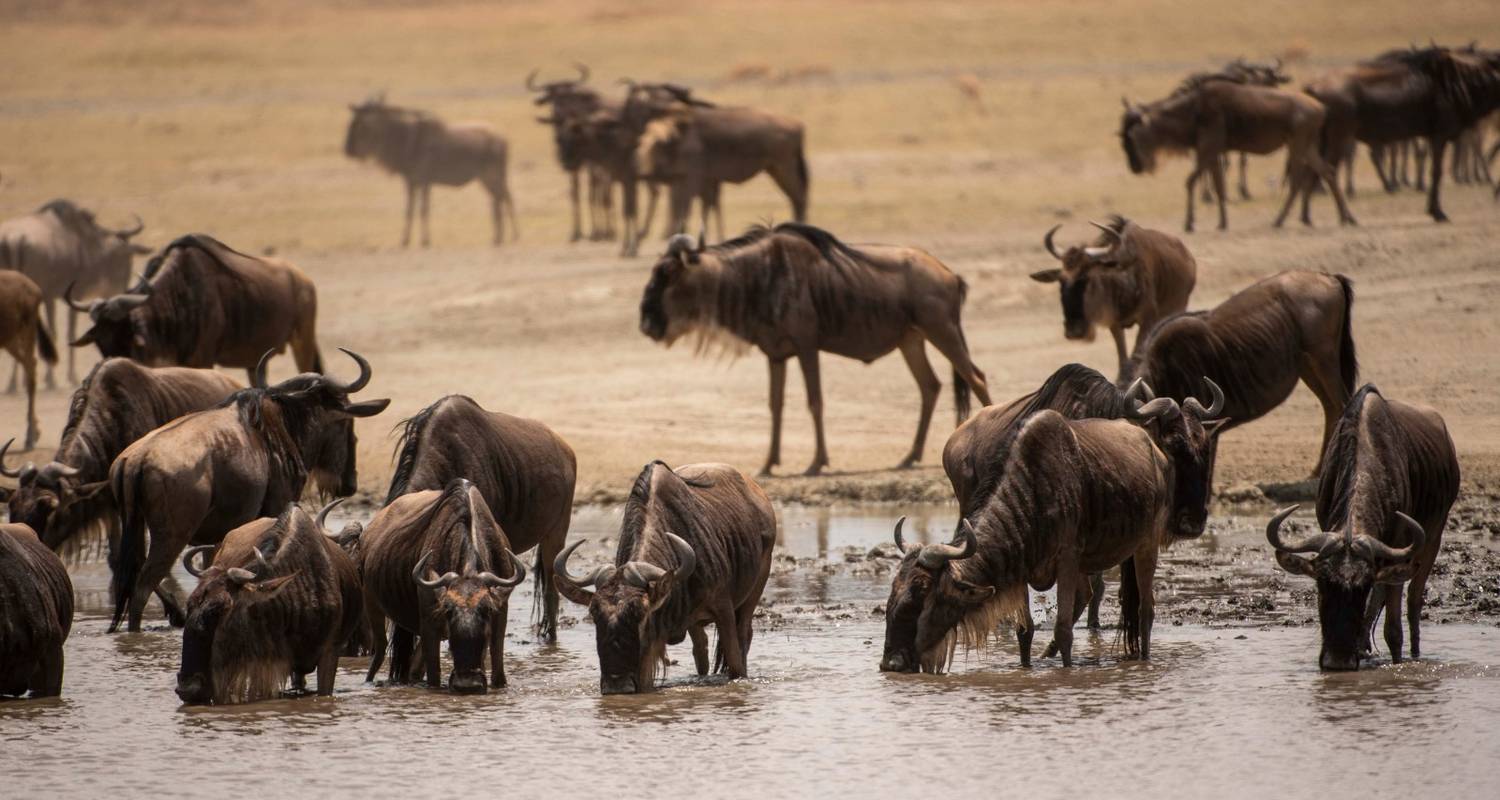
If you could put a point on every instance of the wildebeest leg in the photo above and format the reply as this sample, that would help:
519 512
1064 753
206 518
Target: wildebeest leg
1025 630
1328 388
15 369
403 642
1192 181
544 584
1322 169
1244 181
1393 621
810 376
744 615
577 212
411 203
497 648
1383 156
948 338
167 592
631 240
52 327
730 649
72 337
1217 175
1082 599
1419 154
426 207
378 641
496 220
1145 575
328 668
432 654
1096 590
793 182
1118 332
1299 184
711 198
1434 201
914 350
1416 595
1371 612
652 192
1062 628
700 648
22 347
778 395
47 680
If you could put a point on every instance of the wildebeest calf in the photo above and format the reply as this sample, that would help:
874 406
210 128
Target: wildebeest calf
36 613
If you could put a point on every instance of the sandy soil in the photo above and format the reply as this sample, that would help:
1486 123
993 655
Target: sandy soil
231 122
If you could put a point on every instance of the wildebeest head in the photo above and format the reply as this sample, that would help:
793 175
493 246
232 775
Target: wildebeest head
1346 565
320 408
564 96
116 331
671 304
1188 435
1137 138
45 496
659 149
928 601
1085 302
367 128
623 607
645 102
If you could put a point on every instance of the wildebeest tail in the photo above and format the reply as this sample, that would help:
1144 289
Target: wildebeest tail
44 345
411 440
1130 606
961 401
129 554
1348 363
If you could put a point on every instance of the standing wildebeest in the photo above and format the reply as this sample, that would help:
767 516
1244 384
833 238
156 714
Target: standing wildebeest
61 245
695 547
118 402
449 532
795 290
571 102
1257 345
204 474
25 336
424 150
523 470
36 613
204 303
1218 116
602 139
1072 497
1389 478
1434 93
1129 276
1245 72
280 599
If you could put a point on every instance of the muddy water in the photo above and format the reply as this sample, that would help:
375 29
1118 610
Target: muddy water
1229 712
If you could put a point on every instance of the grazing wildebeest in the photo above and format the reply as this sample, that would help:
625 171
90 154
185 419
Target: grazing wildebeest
734 144
25 336
524 471
695 547
1245 72
438 565
1257 345
571 102
425 150
1073 497
795 290
61 245
1433 93
1388 481
279 600
118 402
36 613
1129 276
1219 116
204 303
201 475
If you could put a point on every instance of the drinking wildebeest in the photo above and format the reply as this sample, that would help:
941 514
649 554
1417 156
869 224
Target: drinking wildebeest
1433 93
61 245
204 474
1074 497
279 600
203 303
425 150
1389 478
118 402
796 290
695 547
36 613
570 101
1219 116
1237 71
25 336
1257 345
1129 276
438 565
523 470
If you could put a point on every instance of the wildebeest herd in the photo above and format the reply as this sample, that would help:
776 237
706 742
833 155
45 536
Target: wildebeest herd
174 462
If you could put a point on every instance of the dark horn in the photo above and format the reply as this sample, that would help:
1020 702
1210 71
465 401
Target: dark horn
1114 234
73 304
435 583
583 71
187 558
358 383
1047 241
139 226
1216 405
1139 412
323 516
531 82
900 543
1311 544
518 574
258 378
1418 535
687 560
935 555
3 471
53 470
560 568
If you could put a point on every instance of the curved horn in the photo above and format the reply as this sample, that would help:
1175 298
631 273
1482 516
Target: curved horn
187 558
435 583
531 81
900 543
357 383
132 300
687 560
139 226
260 559
1139 412
641 573
1139 387
322 517
1111 231
1380 549
1124 102
1312 544
3 471
1047 241
1215 406
74 304
560 568
518 574
679 244
240 576
935 555
583 71
258 377
54 470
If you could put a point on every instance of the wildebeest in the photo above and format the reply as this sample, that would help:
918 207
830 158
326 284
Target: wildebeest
796 290
1389 478
25 336
1433 93
1257 345
118 402
1129 276
438 565
279 600
61 245
524 471
569 101
424 150
201 475
695 547
1072 497
36 613
1238 71
1219 116
601 139
204 303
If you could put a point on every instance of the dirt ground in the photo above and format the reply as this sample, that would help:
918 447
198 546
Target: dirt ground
230 121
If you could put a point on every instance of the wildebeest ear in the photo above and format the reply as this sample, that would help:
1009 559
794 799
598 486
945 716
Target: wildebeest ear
367 408
268 588
971 594
1395 573
1296 565
1047 276
85 340
659 590
140 249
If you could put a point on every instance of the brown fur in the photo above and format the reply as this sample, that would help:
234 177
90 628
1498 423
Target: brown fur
24 336
36 614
